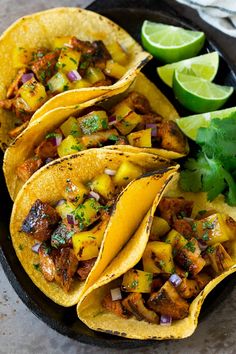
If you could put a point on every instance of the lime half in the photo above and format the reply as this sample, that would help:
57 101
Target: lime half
171 43
190 125
204 66
199 95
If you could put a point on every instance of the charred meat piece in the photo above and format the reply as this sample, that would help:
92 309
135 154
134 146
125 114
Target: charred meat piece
101 54
202 280
16 131
46 263
66 264
171 137
114 306
28 167
41 221
138 103
134 304
156 284
61 237
188 288
189 257
185 228
168 302
45 67
85 47
174 208
98 138
47 148
106 82
121 140
85 267
14 87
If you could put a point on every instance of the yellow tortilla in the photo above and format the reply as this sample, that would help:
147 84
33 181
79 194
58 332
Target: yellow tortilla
39 30
90 309
48 184
23 147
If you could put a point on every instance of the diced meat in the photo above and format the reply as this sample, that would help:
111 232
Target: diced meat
99 138
168 302
152 118
28 168
156 284
85 267
171 137
188 288
41 221
46 263
184 227
101 54
189 257
7 104
61 237
138 103
45 67
46 149
66 264
134 304
14 87
173 208
202 280
18 130
85 47
114 306
106 82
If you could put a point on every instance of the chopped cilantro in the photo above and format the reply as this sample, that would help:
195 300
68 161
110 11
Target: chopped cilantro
73 60
162 263
210 249
50 135
194 226
190 246
21 247
205 236
113 137
207 225
36 266
134 284
65 87
76 147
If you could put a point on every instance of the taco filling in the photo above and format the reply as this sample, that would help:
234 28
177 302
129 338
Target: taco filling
70 64
69 233
129 122
182 256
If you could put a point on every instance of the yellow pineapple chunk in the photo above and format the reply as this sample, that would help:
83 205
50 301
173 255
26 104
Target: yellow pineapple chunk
94 75
93 122
103 185
117 52
60 42
58 83
159 228
68 60
212 229
21 57
80 84
69 146
126 172
142 138
127 124
71 127
33 94
85 245
121 110
176 240
137 281
114 69
75 193
87 213
157 258
219 258
65 208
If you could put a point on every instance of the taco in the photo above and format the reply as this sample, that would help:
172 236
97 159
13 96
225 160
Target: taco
142 117
74 215
155 287
61 57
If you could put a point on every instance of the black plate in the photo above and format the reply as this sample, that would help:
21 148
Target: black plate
129 15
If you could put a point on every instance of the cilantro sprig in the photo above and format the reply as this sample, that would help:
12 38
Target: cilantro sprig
213 170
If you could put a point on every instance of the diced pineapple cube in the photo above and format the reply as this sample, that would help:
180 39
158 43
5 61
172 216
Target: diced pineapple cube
121 110
93 122
176 240
71 127
68 60
58 83
114 69
21 57
94 75
33 94
127 124
219 258
78 84
85 245
87 213
60 42
75 193
126 172
142 138
117 52
137 281
103 185
212 229
65 208
159 228
157 258
69 146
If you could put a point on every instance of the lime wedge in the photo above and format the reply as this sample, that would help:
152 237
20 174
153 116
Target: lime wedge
204 66
199 95
170 43
190 125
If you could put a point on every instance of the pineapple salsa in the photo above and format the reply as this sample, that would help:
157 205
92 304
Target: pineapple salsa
130 122
69 234
69 64
182 256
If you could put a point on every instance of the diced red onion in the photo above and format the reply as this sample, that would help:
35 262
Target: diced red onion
109 172
153 127
165 320
175 280
35 247
73 75
26 77
202 245
60 202
188 219
116 294
56 140
71 219
94 195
